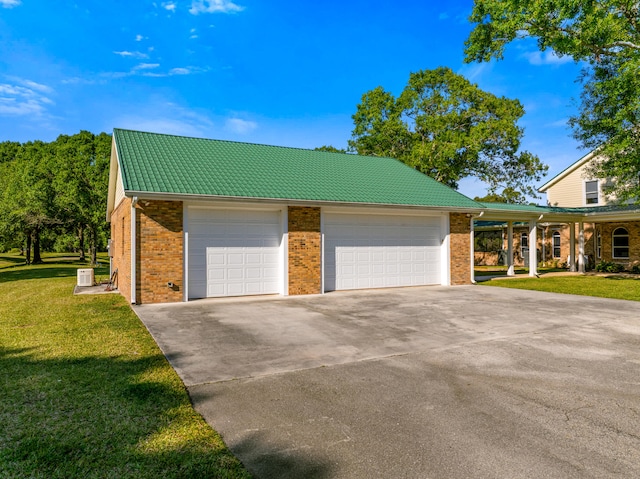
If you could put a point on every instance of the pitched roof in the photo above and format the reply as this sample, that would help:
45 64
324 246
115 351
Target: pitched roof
182 166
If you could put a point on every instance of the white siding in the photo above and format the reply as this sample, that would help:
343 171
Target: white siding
119 189
570 191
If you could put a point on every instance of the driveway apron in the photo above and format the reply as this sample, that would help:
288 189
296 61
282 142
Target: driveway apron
426 382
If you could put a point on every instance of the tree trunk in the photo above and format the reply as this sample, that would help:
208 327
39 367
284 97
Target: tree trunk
81 241
27 253
36 246
93 250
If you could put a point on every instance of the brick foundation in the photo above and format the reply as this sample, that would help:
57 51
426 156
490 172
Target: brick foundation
460 247
304 251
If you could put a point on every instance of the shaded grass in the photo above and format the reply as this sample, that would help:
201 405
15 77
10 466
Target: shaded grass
86 393
609 286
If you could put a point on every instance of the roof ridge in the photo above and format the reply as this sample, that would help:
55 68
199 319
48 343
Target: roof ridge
236 142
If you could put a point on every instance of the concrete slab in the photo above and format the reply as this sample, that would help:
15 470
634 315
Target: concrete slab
414 382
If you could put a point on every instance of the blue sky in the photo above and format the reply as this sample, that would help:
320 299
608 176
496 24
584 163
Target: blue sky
278 72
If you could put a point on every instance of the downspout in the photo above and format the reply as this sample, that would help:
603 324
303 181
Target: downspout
134 202
473 246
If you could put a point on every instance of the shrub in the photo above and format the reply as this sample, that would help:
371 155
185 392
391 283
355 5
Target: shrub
609 267
636 269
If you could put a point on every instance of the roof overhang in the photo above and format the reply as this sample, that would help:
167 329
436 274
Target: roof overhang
145 195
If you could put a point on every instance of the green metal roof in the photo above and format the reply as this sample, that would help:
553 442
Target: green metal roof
175 165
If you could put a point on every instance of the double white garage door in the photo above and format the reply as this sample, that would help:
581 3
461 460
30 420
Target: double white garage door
239 252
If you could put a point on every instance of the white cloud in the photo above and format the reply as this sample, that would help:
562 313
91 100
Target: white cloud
139 38
132 54
214 6
548 57
9 3
170 6
24 97
180 71
239 126
146 66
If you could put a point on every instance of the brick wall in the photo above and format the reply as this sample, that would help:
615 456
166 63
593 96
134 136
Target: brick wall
460 246
160 251
304 251
633 228
121 246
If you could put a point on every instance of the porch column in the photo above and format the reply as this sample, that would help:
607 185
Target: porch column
533 248
581 247
572 247
510 270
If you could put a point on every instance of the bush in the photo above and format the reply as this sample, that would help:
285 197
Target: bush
609 267
636 269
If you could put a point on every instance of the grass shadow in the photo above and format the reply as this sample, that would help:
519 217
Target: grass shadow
97 417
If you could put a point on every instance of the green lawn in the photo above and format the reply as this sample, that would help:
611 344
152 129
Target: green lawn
606 286
85 391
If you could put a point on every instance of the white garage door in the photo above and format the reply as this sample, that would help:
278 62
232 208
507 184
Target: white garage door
233 253
381 251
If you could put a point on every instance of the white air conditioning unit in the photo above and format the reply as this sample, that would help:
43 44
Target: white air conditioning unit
85 277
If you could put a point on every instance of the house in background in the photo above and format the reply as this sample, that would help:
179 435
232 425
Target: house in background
196 218
580 227
611 231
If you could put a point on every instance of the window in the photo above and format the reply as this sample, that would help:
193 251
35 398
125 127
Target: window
524 244
591 192
556 244
620 243
598 244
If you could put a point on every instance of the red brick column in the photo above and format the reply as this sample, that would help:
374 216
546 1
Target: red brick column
460 248
160 251
304 251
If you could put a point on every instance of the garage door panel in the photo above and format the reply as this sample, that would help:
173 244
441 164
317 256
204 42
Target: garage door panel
234 252
381 251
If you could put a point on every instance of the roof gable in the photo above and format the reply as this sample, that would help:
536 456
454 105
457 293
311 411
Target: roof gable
175 165
567 171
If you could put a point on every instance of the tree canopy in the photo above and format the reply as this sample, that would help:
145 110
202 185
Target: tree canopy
446 127
605 36
54 192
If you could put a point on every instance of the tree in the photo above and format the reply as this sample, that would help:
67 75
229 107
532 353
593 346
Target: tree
605 34
81 185
27 201
508 195
330 149
448 128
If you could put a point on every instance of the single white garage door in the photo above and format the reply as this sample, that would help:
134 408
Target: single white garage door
233 252
381 251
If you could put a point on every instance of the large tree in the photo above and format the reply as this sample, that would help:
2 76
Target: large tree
81 185
605 36
448 128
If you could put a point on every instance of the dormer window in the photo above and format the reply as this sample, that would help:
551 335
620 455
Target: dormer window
591 192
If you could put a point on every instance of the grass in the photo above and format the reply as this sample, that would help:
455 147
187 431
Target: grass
84 390
502 270
602 286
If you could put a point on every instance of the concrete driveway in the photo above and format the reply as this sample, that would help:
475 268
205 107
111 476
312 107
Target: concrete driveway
426 382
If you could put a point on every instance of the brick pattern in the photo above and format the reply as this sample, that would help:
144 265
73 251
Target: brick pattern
633 228
304 251
121 246
460 247
160 251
